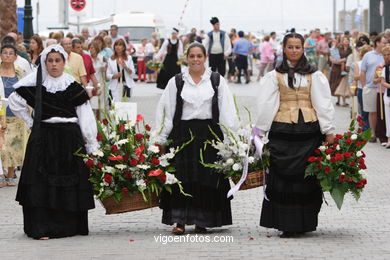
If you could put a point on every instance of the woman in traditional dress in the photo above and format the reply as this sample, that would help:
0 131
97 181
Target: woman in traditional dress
15 135
192 102
54 190
296 111
172 48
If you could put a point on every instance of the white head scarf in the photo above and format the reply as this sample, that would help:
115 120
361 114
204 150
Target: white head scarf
51 84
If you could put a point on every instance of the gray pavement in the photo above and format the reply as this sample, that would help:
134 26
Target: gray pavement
360 230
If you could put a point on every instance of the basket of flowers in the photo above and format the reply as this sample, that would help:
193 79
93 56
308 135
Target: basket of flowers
154 65
239 158
340 167
129 171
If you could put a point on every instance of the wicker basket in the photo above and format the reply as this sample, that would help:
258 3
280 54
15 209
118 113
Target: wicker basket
253 180
126 204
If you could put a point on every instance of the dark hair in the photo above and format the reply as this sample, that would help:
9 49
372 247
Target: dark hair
123 54
272 33
194 45
8 40
76 41
114 26
54 51
378 39
240 34
374 33
303 67
364 40
8 46
39 42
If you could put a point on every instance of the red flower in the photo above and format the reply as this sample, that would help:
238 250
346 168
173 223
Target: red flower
329 151
333 159
361 123
338 136
141 158
339 156
319 166
364 141
146 181
362 166
126 157
347 155
133 162
319 159
125 191
358 144
364 155
138 137
147 127
361 160
327 170
352 164
360 184
312 159
155 161
163 178
359 118
105 121
115 158
350 179
155 173
343 177
139 118
364 181
121 128
99 137
108 178
139 150
114 148
99 165
360 130
128 175
348 133
335 145
349 141
89 163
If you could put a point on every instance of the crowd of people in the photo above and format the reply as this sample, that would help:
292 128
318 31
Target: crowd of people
67 80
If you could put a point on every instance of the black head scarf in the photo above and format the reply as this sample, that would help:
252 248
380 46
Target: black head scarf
303 67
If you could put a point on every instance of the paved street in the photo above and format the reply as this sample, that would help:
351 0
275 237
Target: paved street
360 230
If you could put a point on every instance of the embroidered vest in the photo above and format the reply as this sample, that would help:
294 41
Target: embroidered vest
292 100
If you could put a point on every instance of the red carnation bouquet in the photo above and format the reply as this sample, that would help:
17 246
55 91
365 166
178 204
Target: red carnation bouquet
340 167
130 160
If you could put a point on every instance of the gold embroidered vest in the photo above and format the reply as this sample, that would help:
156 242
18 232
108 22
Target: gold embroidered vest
293 99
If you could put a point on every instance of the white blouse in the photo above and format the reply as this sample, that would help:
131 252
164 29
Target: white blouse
197 103
85 116
269 100
164 49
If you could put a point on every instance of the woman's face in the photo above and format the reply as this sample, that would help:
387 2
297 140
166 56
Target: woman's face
386 56
55 64
293 49
8 55
196 59
119 48
33 45
93 51
345 42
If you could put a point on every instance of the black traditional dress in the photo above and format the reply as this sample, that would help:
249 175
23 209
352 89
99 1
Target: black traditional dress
196 107
171 68
296 119
54 190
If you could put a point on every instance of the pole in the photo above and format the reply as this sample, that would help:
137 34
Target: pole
334 16
382 13
28 26
37 11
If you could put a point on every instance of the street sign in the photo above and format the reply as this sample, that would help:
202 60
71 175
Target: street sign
78 5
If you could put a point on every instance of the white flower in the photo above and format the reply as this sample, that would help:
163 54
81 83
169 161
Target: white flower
230 161
141 185
322 148
154 149
342 173
354 137
120 166
171 179
251 159
112 135
122 142
143 166
108 169
98 153
328 157
362 172
359 154
164 163
236 167
338 148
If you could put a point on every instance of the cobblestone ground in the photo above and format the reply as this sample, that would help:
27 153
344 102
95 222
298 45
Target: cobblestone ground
360 230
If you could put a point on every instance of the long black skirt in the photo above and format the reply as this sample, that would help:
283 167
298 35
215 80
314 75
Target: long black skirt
54 189
294 201
169 70
208 206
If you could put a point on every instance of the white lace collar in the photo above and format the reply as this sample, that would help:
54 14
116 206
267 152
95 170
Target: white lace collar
197 94
51 84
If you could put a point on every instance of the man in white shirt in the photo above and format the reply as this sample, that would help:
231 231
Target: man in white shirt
114 34
218 47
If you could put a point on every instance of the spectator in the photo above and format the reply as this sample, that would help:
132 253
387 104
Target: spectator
20 62
36 47
241 50
75 64
267 57
114 33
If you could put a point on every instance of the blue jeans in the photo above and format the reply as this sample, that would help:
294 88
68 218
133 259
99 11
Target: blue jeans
363 114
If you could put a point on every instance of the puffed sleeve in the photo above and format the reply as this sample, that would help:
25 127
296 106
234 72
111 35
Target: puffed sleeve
268 102
227 45
227 110
180 52
163 49
321 100
87 123
19 107
166 110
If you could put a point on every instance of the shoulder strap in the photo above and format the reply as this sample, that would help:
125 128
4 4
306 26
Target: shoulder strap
214 78
179 100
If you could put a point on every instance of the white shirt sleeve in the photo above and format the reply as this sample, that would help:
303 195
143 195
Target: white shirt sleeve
180 50
110 71
130 64
206 42
87 122
228 45
166 110
383 75
227 111
321 100
163 49
19 107
268 102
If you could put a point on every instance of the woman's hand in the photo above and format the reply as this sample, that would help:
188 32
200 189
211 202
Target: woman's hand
329 139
